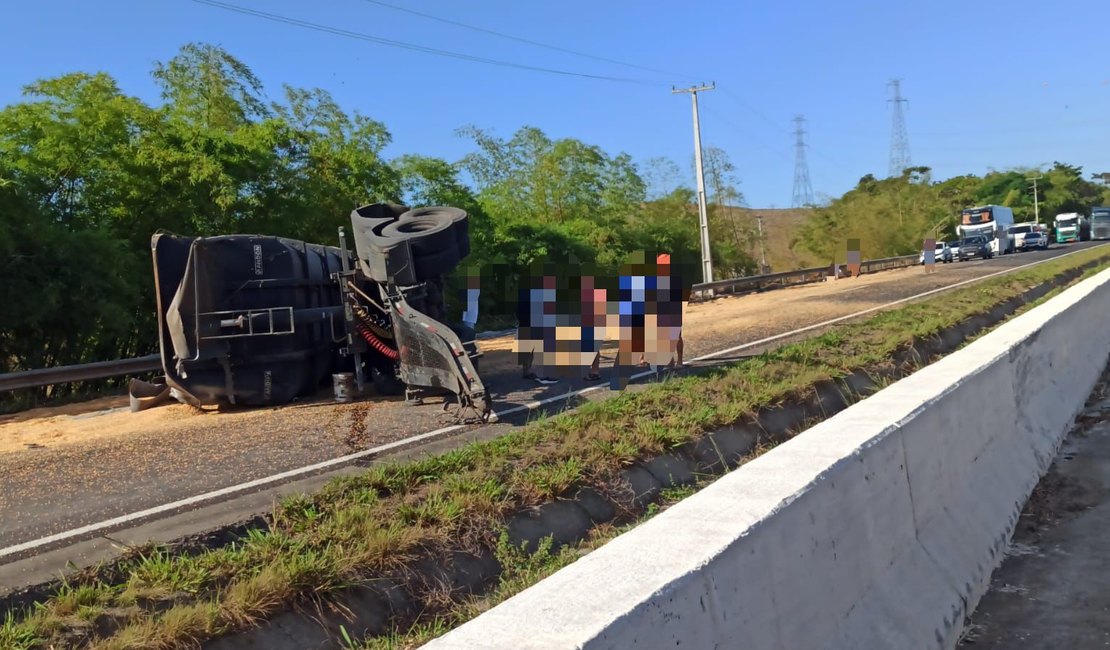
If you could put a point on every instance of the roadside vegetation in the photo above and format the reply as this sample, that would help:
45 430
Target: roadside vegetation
88 173
377 523
892 216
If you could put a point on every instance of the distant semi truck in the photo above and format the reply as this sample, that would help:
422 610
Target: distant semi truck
1072 226
1100 223
991 222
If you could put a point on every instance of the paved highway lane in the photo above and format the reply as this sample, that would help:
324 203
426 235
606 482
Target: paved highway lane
61 469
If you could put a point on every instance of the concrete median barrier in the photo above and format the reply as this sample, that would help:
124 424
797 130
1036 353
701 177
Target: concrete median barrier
878 528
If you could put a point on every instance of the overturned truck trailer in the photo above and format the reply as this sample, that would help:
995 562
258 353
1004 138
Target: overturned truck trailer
261 320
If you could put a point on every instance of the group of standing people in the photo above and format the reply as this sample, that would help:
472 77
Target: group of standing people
565 319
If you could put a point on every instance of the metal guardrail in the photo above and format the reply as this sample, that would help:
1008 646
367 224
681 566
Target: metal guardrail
787 278
152 363
81 372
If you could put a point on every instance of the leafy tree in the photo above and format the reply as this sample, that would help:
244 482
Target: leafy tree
206 86
74 191
327 163
534 178
71 149
661 176
737 255
889 217
432 181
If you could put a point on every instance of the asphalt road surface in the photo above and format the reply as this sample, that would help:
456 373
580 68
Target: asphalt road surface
60 470
1051 590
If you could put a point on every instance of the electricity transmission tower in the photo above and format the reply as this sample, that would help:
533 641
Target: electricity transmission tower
899 141
803 190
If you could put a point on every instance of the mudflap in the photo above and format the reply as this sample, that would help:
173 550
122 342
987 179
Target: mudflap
433 356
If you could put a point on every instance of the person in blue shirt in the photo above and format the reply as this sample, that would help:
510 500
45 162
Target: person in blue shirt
633 287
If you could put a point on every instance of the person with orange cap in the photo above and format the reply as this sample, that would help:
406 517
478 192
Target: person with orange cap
670 298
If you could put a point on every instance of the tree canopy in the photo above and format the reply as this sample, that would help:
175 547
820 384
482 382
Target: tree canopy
892 216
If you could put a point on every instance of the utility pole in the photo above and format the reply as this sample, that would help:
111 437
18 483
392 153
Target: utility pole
703 217
1036 201
762 253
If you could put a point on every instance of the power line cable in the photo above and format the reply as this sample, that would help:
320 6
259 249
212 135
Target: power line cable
746 133
410 46
528 41
778 151
757 141
758 113
778 127
556 48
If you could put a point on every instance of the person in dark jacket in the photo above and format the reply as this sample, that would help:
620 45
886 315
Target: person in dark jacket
535 326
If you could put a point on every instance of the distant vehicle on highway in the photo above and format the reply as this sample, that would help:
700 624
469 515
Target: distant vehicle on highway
942 255
1100 223
1072 226
972 247
1035 240
992 223
1027 236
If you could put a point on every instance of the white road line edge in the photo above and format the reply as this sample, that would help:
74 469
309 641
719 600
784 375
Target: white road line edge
869 310
241 487
232 489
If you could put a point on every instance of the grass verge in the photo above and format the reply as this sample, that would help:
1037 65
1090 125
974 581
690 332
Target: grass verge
361 528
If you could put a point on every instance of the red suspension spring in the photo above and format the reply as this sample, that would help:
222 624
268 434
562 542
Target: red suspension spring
376 343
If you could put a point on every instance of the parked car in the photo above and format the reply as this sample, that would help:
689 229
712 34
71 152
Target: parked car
942 255
973 247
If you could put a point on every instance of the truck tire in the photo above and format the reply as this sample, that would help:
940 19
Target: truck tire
427 234
460 223
437 264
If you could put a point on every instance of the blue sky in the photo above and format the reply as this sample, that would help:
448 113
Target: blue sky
989 84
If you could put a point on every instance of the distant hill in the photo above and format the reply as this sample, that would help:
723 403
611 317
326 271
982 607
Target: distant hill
779 228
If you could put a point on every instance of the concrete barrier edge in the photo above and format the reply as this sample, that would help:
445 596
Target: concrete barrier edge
876 528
